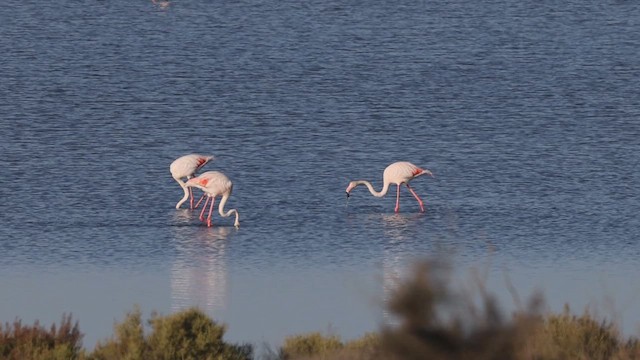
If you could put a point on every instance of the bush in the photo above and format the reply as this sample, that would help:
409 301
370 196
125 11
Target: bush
435 323
185 335
567 336
310 344
191 335
19 342
317 346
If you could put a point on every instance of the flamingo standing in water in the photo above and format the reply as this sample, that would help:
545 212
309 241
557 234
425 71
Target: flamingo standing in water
214 183
398 173
186 167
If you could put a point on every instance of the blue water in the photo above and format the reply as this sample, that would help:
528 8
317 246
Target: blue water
527 114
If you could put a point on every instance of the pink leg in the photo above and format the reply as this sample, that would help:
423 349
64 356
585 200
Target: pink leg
417 198
204 207
398 199
199 201
191 198
213 200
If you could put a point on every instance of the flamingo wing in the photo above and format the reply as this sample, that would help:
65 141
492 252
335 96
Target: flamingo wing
401 172
213 182
202 160
187 165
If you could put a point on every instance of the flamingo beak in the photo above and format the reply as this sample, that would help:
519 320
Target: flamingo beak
348 195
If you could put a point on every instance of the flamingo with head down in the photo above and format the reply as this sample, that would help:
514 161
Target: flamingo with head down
214 183
398 173
186 167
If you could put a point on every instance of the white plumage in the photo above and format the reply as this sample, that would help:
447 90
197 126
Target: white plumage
186 167
214 183
398 173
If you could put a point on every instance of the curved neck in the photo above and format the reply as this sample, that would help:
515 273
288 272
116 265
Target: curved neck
373 192
223 201
186 193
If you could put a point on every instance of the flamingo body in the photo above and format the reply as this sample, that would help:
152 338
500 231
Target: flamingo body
398 173
186 167
214 184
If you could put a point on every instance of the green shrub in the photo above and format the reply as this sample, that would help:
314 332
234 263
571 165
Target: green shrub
186 335
191 335
19 342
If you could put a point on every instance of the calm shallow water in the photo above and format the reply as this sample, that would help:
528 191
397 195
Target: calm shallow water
527 114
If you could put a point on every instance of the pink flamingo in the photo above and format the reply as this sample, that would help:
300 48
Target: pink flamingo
214 183
186 167
398 173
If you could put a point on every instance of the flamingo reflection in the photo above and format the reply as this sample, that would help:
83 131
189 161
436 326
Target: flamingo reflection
397 255
199 273
162 4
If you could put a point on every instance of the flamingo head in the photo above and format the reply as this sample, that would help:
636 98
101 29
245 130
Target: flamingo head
428 172
190 182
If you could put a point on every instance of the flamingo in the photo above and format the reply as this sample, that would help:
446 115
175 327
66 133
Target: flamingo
398 173
186 167
214 183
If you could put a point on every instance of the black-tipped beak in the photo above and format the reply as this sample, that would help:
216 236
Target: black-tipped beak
348 195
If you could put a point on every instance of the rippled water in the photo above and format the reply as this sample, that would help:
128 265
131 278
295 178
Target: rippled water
526 113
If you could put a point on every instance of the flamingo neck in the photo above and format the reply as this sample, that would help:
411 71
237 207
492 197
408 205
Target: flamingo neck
373 191
223 201
186 193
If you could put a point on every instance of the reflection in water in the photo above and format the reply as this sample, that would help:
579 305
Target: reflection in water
199 273
396 254
162 4
182 217
397 227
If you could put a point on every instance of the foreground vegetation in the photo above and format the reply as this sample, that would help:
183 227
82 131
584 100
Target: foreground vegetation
433 322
